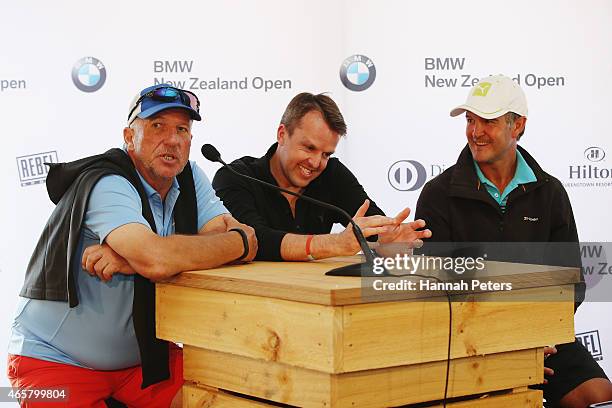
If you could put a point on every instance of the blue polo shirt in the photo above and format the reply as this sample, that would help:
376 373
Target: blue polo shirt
99 333
522 175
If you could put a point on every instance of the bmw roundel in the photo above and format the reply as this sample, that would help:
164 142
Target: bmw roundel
357 72
88 74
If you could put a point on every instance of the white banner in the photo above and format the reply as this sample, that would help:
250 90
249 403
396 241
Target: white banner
396 68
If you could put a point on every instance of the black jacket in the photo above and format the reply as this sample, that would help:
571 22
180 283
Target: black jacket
268 211
538 219
49 275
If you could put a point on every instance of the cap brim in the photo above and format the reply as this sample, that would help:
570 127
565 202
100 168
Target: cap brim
158 108
486 115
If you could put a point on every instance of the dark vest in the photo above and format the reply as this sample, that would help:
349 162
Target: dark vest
49 275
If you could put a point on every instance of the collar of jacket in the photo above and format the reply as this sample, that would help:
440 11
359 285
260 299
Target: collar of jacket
464 182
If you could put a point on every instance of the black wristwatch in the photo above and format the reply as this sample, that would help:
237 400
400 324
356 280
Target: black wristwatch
245 243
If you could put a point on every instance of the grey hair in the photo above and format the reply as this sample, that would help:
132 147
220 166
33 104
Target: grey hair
136 125
511 117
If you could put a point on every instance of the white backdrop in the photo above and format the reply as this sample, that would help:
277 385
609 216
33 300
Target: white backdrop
401 116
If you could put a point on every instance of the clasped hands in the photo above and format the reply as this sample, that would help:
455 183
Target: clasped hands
388 229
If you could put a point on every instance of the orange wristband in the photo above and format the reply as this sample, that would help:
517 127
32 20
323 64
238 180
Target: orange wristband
308 253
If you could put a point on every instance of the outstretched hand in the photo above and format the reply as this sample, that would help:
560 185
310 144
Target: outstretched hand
372 225
410 232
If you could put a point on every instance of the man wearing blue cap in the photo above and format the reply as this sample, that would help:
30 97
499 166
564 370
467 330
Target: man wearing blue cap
498 193
124 219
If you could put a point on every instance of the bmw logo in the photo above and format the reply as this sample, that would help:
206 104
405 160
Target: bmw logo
357 72
88 74
407 175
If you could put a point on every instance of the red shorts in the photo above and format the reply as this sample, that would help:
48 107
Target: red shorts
89 388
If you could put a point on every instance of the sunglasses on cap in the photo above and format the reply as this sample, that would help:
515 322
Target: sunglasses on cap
168 94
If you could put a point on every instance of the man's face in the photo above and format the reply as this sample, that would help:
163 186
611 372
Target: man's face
304 154
159 146
491 140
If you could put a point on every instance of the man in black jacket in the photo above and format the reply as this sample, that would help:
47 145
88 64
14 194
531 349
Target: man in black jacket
124 219
301 161
497 192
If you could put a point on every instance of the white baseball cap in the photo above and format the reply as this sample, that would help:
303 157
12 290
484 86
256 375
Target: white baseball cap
493 97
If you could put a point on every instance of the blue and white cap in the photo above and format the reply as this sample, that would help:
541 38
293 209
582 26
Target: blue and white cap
157 98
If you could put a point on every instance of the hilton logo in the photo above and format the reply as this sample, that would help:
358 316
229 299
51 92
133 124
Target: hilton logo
590 340
32 168
594 174
594 154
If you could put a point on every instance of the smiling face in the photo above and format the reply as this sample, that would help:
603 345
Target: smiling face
159 147
492 141
302 155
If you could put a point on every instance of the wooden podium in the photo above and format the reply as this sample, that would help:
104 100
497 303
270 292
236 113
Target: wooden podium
284 334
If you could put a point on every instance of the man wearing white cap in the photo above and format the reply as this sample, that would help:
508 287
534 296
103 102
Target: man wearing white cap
497 192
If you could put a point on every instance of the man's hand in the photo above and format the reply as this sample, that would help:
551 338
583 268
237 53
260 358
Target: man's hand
548 371
372 225
409 232
231 223
102 261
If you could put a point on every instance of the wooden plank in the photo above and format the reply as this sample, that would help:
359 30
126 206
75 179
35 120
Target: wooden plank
357 337
300 334
368 389
268 380
196 397
299 281
207 397
425 382
528 399
306 281
398 333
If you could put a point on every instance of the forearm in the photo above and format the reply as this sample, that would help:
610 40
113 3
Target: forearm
293 247
180 253
159 258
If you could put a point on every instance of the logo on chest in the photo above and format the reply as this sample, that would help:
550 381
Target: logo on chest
531 219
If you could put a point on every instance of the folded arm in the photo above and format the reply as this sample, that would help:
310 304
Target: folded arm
134 248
